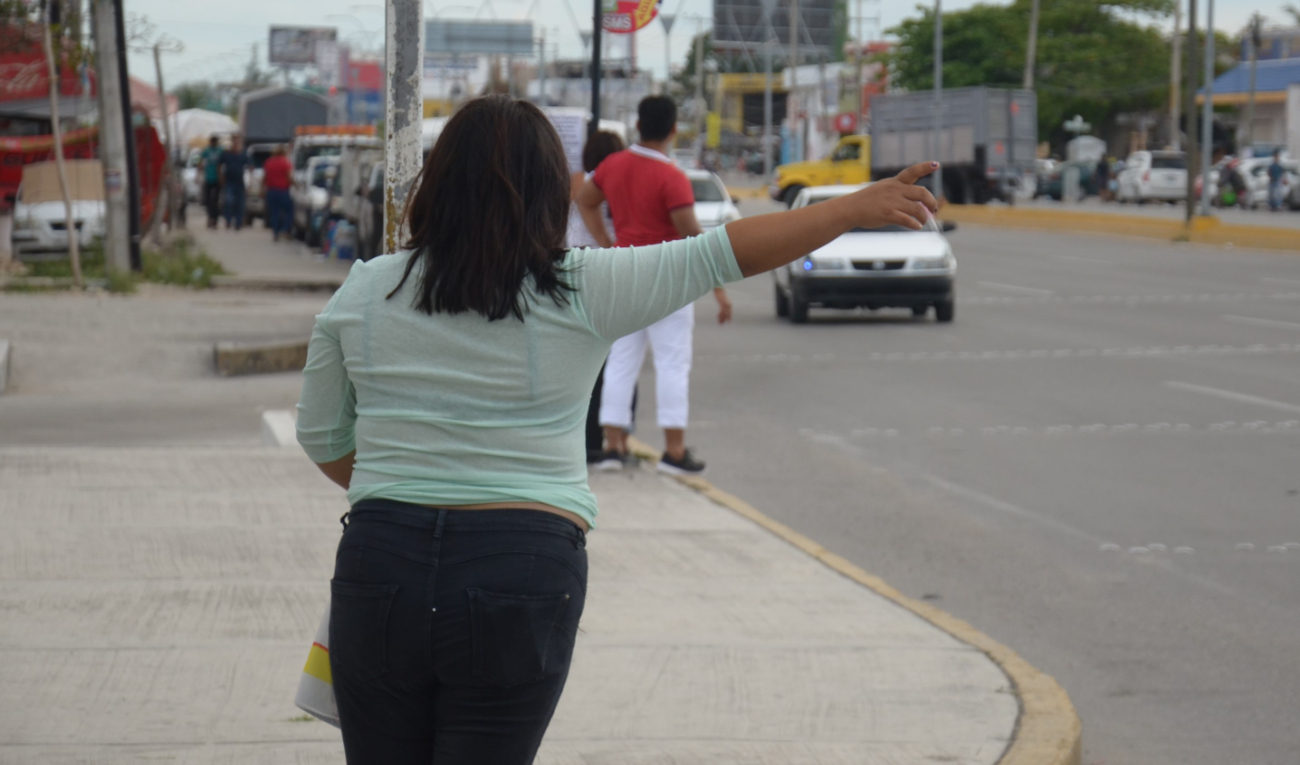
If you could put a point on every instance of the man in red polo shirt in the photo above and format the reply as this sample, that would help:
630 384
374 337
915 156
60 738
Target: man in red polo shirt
651 202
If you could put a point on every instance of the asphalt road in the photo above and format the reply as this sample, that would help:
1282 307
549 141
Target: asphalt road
1075 466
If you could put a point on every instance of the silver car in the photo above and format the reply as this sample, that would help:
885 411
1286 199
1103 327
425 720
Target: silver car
889 267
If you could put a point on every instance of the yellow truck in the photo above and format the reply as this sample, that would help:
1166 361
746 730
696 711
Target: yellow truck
848 163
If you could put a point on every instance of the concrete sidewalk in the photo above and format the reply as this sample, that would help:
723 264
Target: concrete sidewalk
254 260
158 604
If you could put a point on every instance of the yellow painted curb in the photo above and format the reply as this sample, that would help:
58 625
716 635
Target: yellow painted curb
1203 230
747 192
1048 731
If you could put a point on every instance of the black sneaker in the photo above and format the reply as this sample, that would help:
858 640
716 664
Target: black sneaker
611 460
687 465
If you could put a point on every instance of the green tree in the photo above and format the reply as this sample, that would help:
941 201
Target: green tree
1092 59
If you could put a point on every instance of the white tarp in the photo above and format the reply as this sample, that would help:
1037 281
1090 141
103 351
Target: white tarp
196 126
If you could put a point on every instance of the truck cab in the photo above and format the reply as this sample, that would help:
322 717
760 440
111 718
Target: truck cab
848 163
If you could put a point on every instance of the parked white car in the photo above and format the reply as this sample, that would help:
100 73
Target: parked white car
40 217
888 267
311 199
713 203
1153 175
192 177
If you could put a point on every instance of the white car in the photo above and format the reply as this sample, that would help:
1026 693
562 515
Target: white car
191 177
889 267
311 200
40 217
713 204
1153 175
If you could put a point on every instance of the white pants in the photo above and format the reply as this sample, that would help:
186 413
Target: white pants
670 339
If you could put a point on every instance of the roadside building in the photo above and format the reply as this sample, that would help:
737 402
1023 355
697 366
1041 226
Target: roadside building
1277 103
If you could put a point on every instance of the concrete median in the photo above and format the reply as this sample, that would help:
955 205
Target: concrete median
1202 230
233 359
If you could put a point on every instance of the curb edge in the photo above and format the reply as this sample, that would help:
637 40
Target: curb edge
1048 730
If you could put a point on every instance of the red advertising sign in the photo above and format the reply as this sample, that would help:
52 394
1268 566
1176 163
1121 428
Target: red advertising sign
25 76
627 16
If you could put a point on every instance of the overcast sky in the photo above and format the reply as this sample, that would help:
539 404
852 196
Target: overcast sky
219 37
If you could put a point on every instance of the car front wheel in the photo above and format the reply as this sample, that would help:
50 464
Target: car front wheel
920 310
788 196
943 311
782 303
798 305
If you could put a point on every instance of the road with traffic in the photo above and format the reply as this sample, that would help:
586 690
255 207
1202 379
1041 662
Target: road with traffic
1096 464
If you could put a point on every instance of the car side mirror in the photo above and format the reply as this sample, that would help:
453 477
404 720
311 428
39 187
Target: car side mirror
948 225
10 199
735 200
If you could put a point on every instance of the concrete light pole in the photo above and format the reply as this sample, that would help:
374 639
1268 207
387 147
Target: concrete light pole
1190 115
1031 50
112 137
1250 105
597 19
404 54
936 184
70 225
1207 110
1176 78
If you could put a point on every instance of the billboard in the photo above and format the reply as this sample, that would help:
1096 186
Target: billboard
296 46
500 38
743 25
627 16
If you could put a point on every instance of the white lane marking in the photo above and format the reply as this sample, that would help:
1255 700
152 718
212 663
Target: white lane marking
1016 288
1083 259
1006 507
1279 280
1244 398
1274 323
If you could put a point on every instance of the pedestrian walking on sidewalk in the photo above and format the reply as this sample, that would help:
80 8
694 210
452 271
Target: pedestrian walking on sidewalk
277 176
233 163
210 163
600 145
446 388
1276 182
651 202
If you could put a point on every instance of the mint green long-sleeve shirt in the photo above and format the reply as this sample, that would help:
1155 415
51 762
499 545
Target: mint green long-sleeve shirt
449 410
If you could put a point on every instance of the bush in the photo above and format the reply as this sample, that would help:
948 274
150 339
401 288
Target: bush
179 262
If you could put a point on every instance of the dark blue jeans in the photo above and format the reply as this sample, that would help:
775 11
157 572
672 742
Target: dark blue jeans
451 631
234 211
279 210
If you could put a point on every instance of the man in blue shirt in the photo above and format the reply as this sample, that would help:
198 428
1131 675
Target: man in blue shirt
210 162
1276 175
233 164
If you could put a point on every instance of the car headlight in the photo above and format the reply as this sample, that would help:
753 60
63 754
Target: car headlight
933 264
824 264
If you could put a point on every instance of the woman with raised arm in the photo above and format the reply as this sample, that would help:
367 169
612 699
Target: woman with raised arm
446 389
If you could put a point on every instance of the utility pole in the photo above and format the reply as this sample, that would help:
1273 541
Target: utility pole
857 71
1190 113
1176 78
173 198
112 137
668 19
1207 110
69 220
936 185
1031 51
699 77
541 73
1250 105
767 112
792 97
597 20
404 57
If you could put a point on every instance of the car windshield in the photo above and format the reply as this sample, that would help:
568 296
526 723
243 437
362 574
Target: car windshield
259 157
1168 163
706 190
305 153
322 175
892 228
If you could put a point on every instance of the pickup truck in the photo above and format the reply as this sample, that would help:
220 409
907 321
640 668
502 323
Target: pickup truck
848 164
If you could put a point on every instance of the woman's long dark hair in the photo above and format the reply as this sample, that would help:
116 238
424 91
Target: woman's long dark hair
491 210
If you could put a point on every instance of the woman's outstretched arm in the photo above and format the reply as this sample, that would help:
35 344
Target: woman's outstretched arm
765 242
